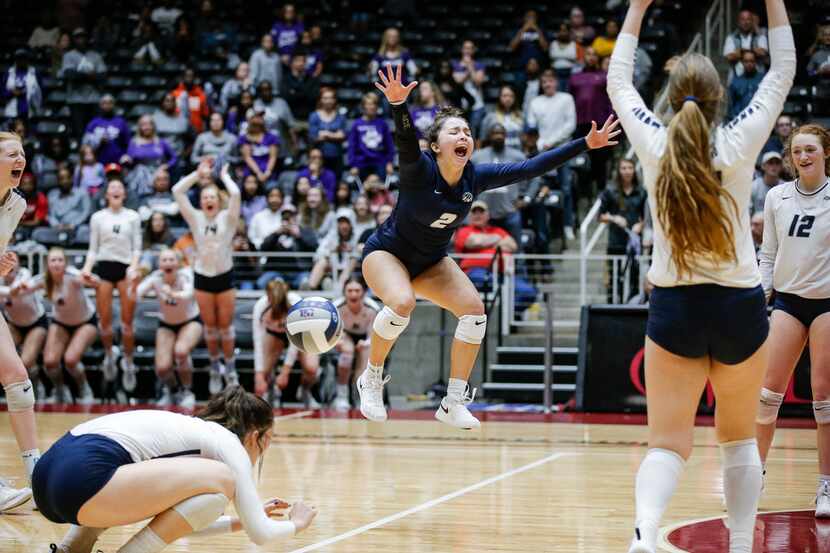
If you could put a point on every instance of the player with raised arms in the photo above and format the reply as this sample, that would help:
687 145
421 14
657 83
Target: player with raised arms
407 255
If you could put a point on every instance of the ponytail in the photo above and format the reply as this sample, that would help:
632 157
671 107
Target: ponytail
277 292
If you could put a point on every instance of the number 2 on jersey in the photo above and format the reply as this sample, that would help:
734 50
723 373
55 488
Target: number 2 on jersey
802 230
444 220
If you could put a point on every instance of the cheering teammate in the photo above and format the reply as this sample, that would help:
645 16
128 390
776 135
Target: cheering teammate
707 314
407 255
213 229
795 263
358 312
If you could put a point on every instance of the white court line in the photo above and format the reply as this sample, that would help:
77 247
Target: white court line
297 415
431 503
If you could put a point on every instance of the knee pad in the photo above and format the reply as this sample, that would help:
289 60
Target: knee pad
211 333
228 333
821 410
471 328
388 324
769 405
201 510
345 360
20 396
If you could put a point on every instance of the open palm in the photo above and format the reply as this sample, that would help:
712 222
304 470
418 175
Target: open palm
392 87
603 137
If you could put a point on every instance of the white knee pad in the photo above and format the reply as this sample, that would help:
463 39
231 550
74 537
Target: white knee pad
768 408
20 396
471 328
345 360
388 324
211 333
201 510
228 333
821 410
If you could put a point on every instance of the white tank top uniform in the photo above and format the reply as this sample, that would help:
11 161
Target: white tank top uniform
213 237
263 323
179 308
24 309
357 325
115 235
70 304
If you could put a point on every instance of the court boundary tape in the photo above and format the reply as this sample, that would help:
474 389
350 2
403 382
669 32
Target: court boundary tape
297 415
663 542
432 502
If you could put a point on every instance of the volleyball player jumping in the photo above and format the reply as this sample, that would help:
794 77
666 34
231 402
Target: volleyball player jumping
407 255
707 313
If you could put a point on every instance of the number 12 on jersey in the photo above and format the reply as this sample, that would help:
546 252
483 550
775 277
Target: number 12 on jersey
801 230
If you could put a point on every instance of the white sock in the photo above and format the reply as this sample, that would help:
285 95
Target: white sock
742 488
80 539
343 391
375 369
230 364
822 478
456 389
30 458
656 481
146 541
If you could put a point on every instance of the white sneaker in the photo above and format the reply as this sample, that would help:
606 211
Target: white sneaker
341 404
644 541
455 413
166 398
569 233
187 400
62 394
823 501
11 498
108 368
86 396
370 387
216 383
308 400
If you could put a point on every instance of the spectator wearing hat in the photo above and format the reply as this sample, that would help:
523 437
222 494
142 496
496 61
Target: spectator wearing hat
189 93
68 206
108 133
771 166
22 92
266 65
743 87
290 237
83 69
338 246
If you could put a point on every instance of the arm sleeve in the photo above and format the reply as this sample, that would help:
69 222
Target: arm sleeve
389 144
495 175
259 334
406 137
769 248
180 194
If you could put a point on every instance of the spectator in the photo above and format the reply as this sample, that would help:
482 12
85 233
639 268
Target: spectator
278 116
553 115
299 88
266 64
642 70
259 150
107 133
190 94
146 153
316 214
327 130
771 166
253 199
381 215
233 88
592 104
82 69
472 75
819 65
392 53
756 228
300 192
216 38
89 173
454 92
286 32
565 54
342 195
313 51
529 41
161 200
147 44
427 102
45 164
364 219
508 116
216 142
37 206
745 37
338 249
238 115
622 206
47 32
528 85
781 133
156 237
371 147
582 33
377 192
172 124
245 267
604 45
21 129
501 202
184 43
290 237
165 16
317 175
267 221
63 46
22 93
69 206
742 88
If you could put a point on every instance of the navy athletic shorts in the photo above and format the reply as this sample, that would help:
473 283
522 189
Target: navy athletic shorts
416 263
728 324
73 470
803 309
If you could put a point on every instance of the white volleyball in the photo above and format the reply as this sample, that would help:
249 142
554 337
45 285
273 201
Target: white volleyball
314 325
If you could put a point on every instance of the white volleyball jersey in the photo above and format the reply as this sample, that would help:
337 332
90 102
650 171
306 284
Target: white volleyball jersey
174 309
795 255
360 322
24 309
115 236
147 435
263 322
10 215
70 304
735 148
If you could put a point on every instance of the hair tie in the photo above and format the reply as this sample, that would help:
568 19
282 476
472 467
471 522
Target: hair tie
694 99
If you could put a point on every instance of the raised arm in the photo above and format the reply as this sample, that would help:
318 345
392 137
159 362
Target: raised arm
180 194
234 196
406 138
769 248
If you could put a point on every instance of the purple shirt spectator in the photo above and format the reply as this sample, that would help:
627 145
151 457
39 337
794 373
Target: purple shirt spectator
109 136
327 180
370 143
259 150
152 153
422 118
286 36
590 97
23 79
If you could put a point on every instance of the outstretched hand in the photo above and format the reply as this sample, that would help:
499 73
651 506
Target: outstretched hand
602 137
392 87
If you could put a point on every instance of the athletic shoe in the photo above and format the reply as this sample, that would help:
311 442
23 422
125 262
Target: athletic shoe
370 387
129 378
341 404
455 412
308 400
569 233
187 400
11 498
274 397
86 396
40 392
215 384
644 541
823 500
108 368
166 398
232 378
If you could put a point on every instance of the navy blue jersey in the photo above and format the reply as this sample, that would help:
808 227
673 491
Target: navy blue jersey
429 210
